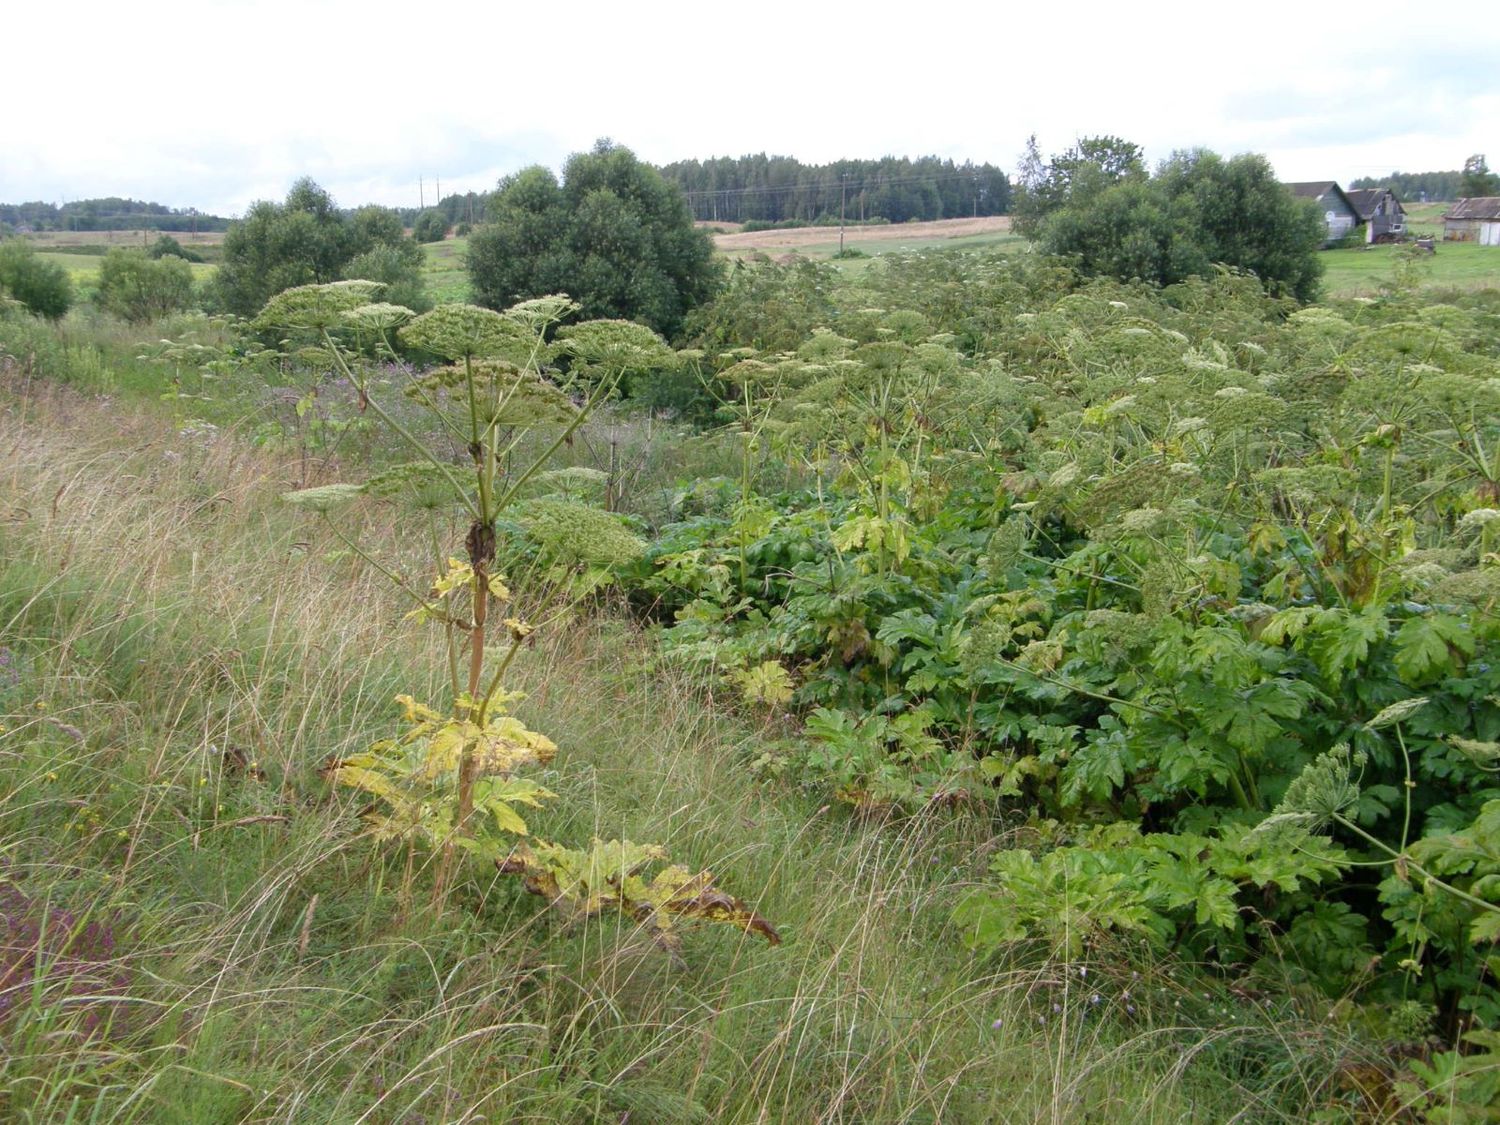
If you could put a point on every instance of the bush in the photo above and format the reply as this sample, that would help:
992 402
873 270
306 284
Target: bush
167 246
614 235
1199 211
135 287
303 241
43 287
431 226
399 269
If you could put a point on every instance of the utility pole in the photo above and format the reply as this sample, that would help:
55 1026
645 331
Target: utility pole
440 189
421 194
843 196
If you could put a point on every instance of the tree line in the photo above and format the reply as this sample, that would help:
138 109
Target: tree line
781 188
1473 179
108 213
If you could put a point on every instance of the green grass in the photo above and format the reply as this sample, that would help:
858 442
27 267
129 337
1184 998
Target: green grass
825 250
1364 271
167 623
446 275
87 265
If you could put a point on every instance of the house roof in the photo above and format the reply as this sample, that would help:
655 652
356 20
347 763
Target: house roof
1481 207
1365 199
1314 190
1320 190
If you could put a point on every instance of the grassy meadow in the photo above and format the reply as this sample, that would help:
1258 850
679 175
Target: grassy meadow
198 926
444 271
180 654
1360 271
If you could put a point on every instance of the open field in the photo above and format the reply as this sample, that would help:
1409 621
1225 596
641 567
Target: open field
444 271
110 238
811 240
1362 272
84 266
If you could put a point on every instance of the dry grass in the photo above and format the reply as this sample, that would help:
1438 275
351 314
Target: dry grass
43 239
280 973
895 232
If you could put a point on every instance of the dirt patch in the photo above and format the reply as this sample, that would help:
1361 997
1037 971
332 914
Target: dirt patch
895 232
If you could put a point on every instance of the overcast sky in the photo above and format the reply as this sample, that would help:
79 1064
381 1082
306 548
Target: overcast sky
216 103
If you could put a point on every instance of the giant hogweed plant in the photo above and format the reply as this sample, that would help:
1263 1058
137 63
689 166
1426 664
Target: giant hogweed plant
454 778
1208 544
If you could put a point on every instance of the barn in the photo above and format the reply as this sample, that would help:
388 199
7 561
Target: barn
1338 213
1381 213
1474 220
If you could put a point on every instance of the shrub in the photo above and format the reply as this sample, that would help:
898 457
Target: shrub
431 226
137 288
43 287
304 240
614 235
167 246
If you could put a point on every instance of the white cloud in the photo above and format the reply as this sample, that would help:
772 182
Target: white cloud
219 102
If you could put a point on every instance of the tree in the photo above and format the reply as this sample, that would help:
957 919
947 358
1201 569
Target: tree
1243 217
138 288
166 245
1070 178
304 241
1199 211
42 286
613 235
398 268
1478 180
431 226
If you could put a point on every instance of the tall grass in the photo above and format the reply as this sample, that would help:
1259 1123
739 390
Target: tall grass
181 653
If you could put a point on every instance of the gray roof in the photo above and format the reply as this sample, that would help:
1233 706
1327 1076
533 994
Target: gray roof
1315 190
1320 190
1482 207
1365 199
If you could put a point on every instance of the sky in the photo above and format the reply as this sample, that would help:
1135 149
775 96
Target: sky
216 103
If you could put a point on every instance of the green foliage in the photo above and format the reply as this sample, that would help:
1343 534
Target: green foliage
1199 211
613 234
1071 179
167 246
140 289
431 226
307 240
1171 560
41 287
452 781
1477 179
396 266
765 192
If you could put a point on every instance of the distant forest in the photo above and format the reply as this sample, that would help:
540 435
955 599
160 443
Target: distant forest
780 188
776 189
1409 186
110 213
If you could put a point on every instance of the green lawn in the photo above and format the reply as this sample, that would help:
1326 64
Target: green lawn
1365 270
446 275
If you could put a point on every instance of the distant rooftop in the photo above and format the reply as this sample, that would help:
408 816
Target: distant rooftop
1480 207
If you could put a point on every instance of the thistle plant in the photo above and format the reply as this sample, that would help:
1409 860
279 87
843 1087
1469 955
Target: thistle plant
450 779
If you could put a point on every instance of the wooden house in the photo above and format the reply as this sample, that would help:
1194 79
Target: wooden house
1338 213
1474 220
1380 212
